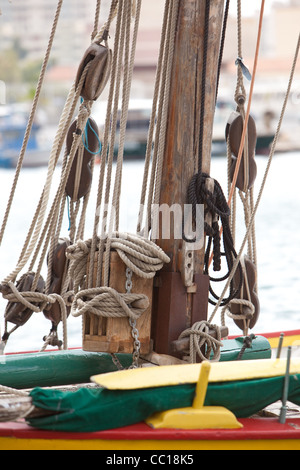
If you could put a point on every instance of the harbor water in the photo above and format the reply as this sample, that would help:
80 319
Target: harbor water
277 231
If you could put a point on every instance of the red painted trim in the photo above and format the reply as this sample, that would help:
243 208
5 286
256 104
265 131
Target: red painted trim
274 334
254 428
38 352
286 333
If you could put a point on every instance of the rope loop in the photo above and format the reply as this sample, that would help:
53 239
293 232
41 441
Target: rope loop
202 344
107 302
238 316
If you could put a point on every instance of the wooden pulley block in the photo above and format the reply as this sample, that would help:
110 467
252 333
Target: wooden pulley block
249 285
99 57
59 262
234 131
80 178
16 312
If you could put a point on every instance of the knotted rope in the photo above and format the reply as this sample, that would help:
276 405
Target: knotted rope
202 343
107 302
37 302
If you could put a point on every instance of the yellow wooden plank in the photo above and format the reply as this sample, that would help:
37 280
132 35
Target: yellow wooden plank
189 373
293 340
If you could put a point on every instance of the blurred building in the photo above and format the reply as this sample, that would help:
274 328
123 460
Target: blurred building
28 23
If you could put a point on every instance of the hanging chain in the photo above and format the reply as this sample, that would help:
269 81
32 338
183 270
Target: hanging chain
132 323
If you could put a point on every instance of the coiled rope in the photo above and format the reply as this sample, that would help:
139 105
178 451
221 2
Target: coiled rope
139 254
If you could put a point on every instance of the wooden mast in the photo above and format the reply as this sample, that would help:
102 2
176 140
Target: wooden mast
181 289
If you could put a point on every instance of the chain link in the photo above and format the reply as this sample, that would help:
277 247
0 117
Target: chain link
116 362
128 283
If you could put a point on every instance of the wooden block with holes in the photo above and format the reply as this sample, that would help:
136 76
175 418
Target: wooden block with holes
113 335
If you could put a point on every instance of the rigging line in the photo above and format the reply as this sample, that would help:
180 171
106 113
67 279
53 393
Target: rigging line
106 155
153 120
165 68
31 119
96 20
272 151
242 144
36 226
203 85
222 44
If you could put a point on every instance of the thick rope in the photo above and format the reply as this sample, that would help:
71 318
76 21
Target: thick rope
15 404
139 254
107 302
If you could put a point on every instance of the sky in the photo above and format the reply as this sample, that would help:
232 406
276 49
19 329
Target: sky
250 7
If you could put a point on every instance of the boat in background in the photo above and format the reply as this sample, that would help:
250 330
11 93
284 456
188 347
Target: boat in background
13 122
139 114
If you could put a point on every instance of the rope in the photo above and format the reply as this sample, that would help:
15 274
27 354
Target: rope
107 302
139 254
223 37
214 202
13 391
37 302
158 123
202 344
203 84
96 20
15 404
238 316
122 63
217 206
243 93
242 145
247 344
38 219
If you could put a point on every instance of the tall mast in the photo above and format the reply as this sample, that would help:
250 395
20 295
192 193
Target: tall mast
181 289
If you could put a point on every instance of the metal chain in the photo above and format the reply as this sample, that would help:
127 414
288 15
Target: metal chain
116 362
132 323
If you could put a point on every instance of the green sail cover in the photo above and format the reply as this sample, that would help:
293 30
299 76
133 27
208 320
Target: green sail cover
91 410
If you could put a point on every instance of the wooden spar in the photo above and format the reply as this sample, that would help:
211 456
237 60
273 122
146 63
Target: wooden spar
178 301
